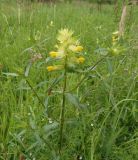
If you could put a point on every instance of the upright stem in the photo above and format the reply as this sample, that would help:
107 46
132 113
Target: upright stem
40 101
63 106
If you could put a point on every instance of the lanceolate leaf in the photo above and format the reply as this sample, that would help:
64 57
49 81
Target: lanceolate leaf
74 100
50 127
10 74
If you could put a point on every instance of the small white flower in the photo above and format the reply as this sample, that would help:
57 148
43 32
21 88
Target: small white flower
50 120
92 124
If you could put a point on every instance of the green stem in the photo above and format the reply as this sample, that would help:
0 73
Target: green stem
63 107
88 70
40 101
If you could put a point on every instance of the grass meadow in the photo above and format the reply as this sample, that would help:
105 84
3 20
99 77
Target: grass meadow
101 113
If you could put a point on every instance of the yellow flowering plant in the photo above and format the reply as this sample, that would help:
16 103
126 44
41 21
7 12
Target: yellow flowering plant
116 46
68 53
66 56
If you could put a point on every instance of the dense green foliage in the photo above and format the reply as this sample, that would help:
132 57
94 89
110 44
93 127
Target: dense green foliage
101 116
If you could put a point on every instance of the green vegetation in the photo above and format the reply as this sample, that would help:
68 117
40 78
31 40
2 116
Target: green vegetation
101 114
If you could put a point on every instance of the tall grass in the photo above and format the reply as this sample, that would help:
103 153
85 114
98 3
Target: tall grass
101 121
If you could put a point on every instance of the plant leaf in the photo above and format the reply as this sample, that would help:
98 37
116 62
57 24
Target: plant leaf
27 70
50 127
73 99
10 74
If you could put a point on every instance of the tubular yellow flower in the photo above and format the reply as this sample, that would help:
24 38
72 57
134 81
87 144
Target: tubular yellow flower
53 54
115 36
64 35
114 40
51 68
79 48
80 60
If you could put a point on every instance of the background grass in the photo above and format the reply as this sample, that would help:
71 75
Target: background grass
102 120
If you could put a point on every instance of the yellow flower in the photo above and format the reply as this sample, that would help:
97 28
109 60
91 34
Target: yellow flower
79 48
80 60
114 40
64 35
53 54
115 36
75 48
52 68
115 33
72 48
